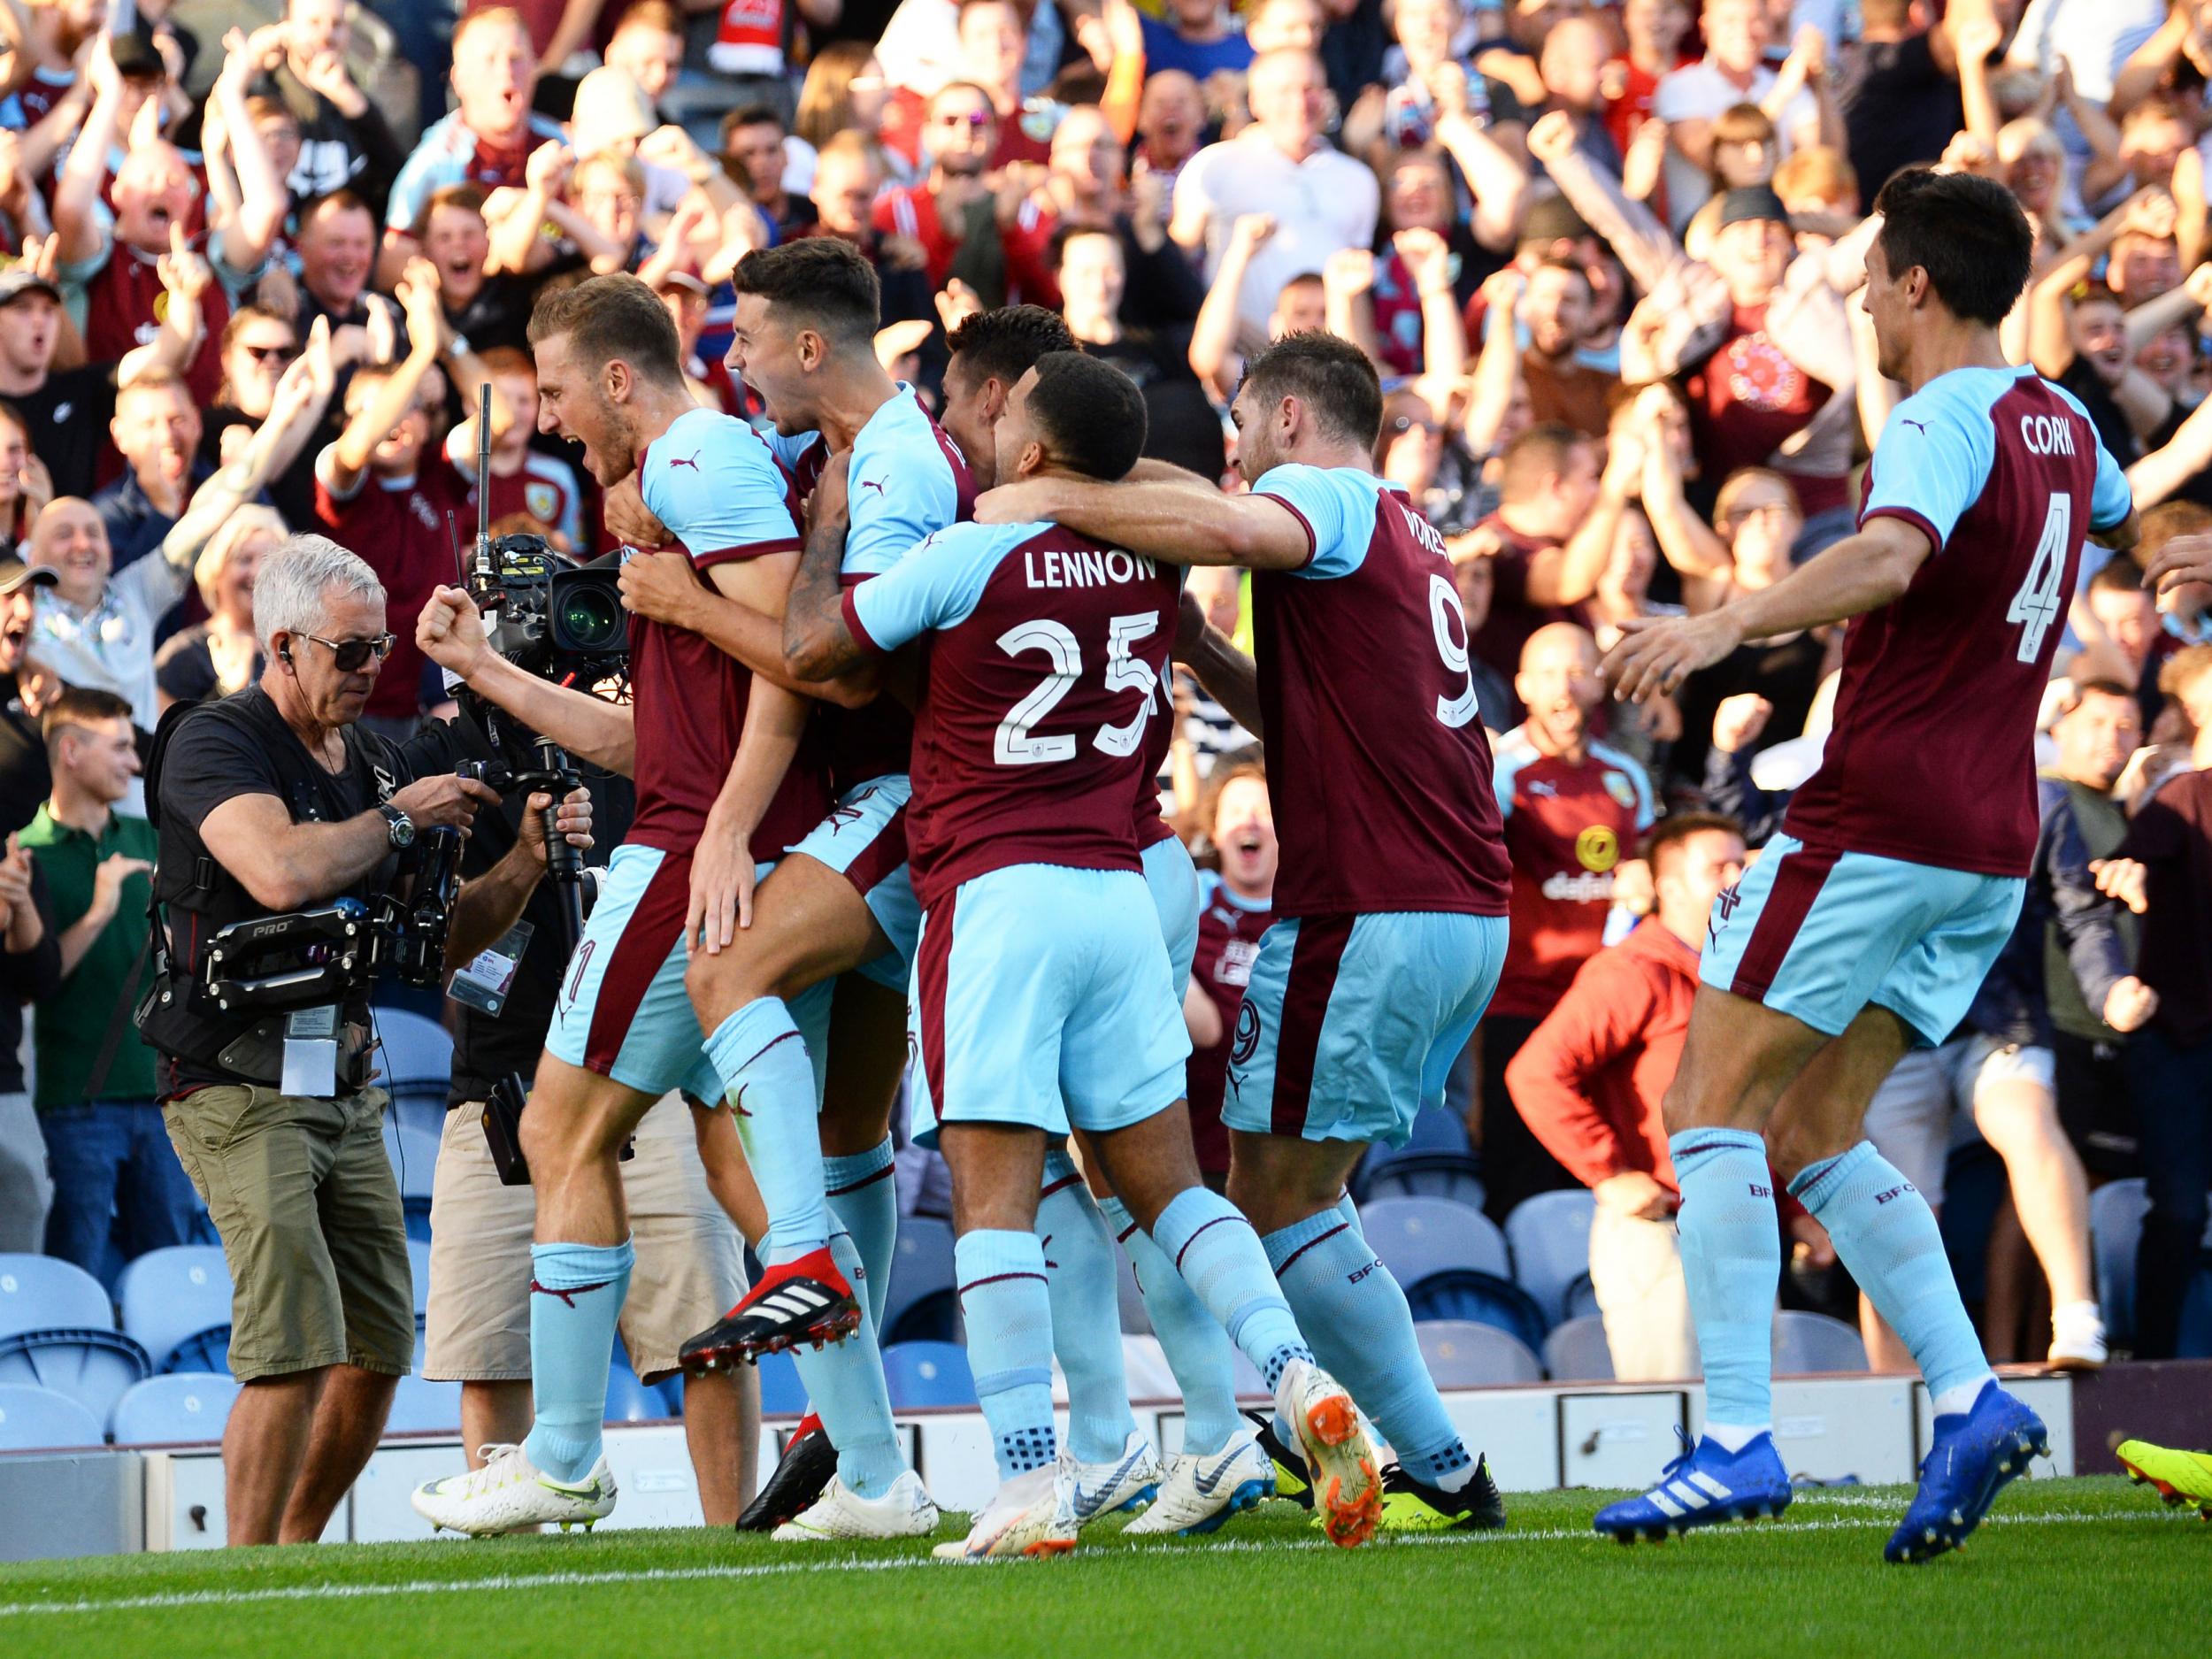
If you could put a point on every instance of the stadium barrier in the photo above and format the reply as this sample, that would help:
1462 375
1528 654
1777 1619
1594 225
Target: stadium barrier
1871 1430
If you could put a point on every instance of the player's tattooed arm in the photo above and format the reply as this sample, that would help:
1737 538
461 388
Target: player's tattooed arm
816 644
1183 523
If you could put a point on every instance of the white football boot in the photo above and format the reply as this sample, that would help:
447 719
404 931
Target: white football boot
1201 1490
508 1493
1032 1515
905 1511
1346 1485
1098 1490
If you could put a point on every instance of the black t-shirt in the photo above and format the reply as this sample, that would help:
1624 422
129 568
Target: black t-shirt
1898 108
499 313
1181 426
292 491
2113 431
185 669
488 1047
1786 674
68 419
240 746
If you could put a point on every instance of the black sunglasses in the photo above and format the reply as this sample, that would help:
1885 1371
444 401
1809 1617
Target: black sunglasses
271 354
352 656
973 118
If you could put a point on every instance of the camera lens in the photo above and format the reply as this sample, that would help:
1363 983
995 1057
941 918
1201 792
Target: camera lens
590 618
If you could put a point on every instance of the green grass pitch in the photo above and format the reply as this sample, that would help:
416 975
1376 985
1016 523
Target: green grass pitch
2086 1566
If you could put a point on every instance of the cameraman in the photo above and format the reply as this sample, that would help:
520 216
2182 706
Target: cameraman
268 801
690 1264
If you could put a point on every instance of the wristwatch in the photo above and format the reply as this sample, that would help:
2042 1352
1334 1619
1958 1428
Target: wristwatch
402 826
459 347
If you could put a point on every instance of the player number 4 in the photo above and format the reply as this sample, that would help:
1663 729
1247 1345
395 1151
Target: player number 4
1016 743
2036 606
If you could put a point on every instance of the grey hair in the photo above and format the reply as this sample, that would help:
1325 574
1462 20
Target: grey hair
292 586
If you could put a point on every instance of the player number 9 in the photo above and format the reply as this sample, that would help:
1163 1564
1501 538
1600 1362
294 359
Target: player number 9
1451 644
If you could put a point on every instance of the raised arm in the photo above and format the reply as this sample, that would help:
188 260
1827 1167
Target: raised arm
1347 286
1629 227
263 198
427 334
2148 63
1213 336
517 243
1184 524
451 635
77 195
1494 174
1498 366
1568 575
1443 330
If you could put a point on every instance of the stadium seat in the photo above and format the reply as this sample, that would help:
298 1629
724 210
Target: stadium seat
207 1350
781 1393
2116 1226
1582 1297
920 1305
1467 1294
1451 1176
91 1367
1549 1236
414 1156
1575 1351
417 1053
180 1408
1461 1354
1415 1237
419 1270
171 1295
1435 1130
422 1406
45 1293
38 1419
928 1374
1814 1342
630 1400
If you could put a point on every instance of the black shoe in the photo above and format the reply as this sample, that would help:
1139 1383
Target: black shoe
1293 1480
1414 1506
806 1300
802 1475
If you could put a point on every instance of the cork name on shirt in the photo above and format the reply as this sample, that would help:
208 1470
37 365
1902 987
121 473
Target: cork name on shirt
1084 567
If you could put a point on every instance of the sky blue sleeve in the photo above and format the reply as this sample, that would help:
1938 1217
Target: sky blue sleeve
1324 504
898 496
2111 501
720 494
1932 464
935 586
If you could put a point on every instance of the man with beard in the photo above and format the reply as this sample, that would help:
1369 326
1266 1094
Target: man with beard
1556 308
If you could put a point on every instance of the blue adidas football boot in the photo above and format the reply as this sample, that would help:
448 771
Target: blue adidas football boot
1975 1455
1704 1487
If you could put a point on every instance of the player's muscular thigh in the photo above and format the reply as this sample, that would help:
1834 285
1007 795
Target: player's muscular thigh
1823 1111
1737 1060
867 1057
809 923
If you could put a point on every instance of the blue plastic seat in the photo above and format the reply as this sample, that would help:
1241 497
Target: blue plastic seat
1549 1236
38 1419
422 1406
1577 1351
414 1156
207 1350
171 1295
94 1368
1463 1355
1582 1297
418 1269
630 1400
1449 1176
1415 1237
181 1408
45 1293
921 1304
781 1393
1465 1294
928 1374
416 1053
1806 1342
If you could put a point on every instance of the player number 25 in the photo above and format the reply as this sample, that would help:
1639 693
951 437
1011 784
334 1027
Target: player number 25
1016 744
2036 606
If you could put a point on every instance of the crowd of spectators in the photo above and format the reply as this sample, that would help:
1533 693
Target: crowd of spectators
1605 258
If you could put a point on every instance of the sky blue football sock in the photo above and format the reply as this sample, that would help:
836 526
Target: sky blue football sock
844 1383
1731 1257
1887 1236
1009 1315
1198 1350
1363 1335
576 1292
769 1082
1213 1247
863 1199
1081 1279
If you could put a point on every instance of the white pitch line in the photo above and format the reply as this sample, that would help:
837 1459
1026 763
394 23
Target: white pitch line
899 1563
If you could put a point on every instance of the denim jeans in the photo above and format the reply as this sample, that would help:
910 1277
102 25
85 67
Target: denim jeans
2173 1101
119 1190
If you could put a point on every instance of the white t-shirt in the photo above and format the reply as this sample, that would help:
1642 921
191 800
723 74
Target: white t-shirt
1699 93
1321 205
110 646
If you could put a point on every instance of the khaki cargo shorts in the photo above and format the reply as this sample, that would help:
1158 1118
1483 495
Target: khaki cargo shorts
690 1261
303 1195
